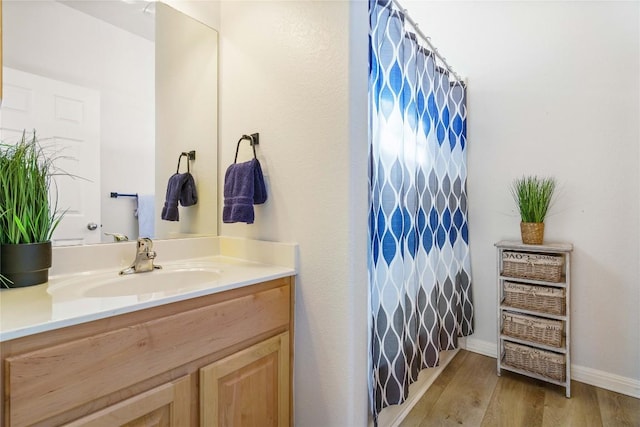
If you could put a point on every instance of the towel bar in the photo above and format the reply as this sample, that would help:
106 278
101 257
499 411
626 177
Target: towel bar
254 139
190 155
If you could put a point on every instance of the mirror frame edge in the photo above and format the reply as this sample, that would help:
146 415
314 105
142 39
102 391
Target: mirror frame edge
0 52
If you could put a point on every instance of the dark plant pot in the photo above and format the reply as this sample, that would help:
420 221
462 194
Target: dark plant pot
26 264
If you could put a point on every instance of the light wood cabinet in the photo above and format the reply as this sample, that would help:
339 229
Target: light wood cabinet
536 321
143 368
164 406
249 388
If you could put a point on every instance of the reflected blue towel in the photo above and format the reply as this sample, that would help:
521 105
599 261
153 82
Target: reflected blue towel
243 187
188 193
181 187
146 217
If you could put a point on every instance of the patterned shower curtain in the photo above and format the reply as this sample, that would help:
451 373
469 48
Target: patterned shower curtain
419 266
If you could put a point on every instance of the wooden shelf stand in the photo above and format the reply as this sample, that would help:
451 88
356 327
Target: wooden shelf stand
556 249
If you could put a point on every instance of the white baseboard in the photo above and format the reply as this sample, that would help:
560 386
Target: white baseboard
485 348
606 380
595 377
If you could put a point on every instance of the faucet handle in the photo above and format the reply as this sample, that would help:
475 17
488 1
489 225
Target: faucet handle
145 244
117 237
145 247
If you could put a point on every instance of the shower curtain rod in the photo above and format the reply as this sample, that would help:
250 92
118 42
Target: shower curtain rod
427 40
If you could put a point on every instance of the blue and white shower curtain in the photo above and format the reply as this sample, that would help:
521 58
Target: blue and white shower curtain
419 266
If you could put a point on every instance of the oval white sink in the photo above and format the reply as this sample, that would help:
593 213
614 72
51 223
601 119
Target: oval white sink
152 281
171 279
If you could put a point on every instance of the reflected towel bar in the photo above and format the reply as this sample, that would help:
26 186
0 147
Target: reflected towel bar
116 195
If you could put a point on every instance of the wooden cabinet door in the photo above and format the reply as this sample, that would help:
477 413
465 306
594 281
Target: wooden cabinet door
164 406
249 388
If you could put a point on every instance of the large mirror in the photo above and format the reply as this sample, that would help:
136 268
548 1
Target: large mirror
119 89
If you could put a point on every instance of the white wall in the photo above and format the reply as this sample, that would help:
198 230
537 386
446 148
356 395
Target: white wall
286 70
554 90
56 41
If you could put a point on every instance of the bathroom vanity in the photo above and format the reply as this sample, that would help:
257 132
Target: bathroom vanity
212 355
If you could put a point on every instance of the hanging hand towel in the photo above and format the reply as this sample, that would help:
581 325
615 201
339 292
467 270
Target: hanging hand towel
145 214
188 193
243 187
174 188
259 189
181 187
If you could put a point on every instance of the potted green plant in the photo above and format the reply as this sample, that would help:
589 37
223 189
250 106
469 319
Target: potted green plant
29 213
533 196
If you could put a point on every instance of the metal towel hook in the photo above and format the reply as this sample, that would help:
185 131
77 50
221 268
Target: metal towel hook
191 155
254 139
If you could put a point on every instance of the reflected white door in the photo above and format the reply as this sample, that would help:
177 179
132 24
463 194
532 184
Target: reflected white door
67 121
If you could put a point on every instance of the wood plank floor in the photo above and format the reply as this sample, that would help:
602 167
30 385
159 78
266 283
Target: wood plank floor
469 393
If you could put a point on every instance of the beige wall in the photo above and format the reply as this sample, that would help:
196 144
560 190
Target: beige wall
286 72
205 11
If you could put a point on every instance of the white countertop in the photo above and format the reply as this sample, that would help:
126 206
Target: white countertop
53 305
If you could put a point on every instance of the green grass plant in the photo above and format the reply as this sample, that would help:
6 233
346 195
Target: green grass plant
533 195
27 212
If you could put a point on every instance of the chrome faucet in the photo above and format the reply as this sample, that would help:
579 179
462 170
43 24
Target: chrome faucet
144 258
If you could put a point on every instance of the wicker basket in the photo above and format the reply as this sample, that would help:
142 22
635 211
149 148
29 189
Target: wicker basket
537 298
545 363
532 266
532 233
531 328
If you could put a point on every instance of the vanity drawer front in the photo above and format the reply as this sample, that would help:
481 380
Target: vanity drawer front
50 381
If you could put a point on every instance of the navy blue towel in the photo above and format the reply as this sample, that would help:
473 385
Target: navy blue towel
243 187
188 193
181 187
